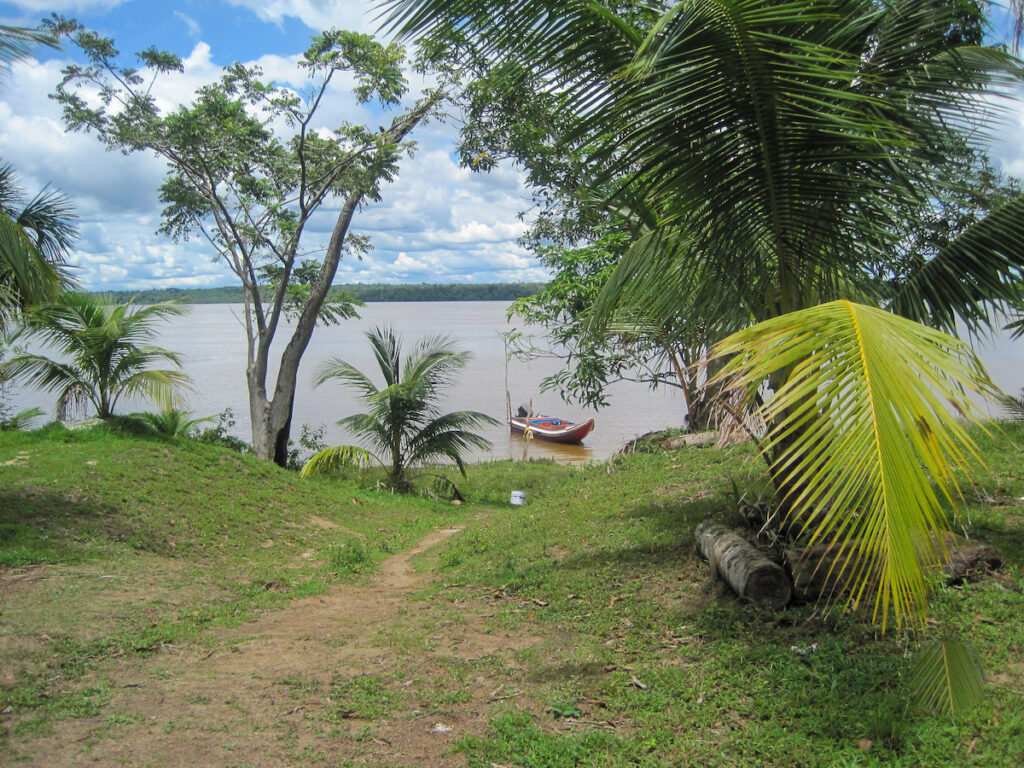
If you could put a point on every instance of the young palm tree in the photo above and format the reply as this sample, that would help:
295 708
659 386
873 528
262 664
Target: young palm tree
103 354
404 426
172 422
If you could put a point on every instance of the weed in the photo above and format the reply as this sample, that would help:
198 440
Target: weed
348 557
365 697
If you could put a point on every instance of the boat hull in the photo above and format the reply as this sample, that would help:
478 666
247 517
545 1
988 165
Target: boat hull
551 429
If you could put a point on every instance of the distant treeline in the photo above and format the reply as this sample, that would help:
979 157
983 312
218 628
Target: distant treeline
364 292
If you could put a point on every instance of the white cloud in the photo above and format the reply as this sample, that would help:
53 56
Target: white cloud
405 264
64 6
194 30
316 14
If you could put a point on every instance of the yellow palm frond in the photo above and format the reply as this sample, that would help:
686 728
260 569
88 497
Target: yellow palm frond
865 436
337 457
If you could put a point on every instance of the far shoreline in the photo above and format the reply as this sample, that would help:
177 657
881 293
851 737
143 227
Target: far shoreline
365 292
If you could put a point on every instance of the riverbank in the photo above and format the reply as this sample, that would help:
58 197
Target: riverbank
169 603
384 292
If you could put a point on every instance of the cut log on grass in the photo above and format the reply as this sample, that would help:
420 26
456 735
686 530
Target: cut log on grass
742 566
815 569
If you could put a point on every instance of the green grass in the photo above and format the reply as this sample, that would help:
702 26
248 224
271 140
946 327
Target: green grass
157 541
632 655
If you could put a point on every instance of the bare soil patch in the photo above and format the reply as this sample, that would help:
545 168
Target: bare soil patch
368 674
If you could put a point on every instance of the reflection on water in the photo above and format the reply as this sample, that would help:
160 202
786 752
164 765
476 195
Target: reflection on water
521 449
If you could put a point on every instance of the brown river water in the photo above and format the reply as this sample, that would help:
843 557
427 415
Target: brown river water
211 341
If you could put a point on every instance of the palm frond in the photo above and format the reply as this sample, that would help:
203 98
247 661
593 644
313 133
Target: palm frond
947 677
968 280
337 457
449 436
51 218
26 274
23 419
347 374
866 433
164 387
16 43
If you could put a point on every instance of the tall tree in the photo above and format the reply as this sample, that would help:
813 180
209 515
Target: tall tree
250 164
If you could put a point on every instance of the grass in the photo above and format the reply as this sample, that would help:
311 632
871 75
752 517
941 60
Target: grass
621 650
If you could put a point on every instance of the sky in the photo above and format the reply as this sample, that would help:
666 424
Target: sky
436 222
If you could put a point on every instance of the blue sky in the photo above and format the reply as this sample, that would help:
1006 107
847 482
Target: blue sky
436 223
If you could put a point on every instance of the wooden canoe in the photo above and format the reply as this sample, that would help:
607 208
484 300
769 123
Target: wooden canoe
551 428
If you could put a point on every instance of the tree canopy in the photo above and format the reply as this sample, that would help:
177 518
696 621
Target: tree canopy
250 165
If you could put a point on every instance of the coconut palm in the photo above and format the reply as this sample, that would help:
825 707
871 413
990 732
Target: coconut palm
404 426
103 354
784 146
36 236
16 43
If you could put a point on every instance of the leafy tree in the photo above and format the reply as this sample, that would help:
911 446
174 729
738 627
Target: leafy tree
103 354
250 165
637 344
404 426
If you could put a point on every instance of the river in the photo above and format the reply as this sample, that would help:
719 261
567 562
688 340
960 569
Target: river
211 341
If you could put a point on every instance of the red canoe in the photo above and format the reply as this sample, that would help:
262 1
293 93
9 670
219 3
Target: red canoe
551 428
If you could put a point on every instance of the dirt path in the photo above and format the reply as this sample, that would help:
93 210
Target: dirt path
363 675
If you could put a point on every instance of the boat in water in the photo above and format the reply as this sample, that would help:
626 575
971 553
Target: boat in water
550 428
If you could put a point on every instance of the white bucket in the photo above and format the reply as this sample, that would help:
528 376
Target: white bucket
518 498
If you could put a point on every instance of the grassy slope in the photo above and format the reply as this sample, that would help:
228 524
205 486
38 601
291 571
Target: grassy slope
177 537
150 541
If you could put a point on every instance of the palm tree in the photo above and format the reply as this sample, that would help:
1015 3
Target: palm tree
36 236
404 426
17 42
784 146
103 354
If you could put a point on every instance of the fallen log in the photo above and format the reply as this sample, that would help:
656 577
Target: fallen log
816 569
742 566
